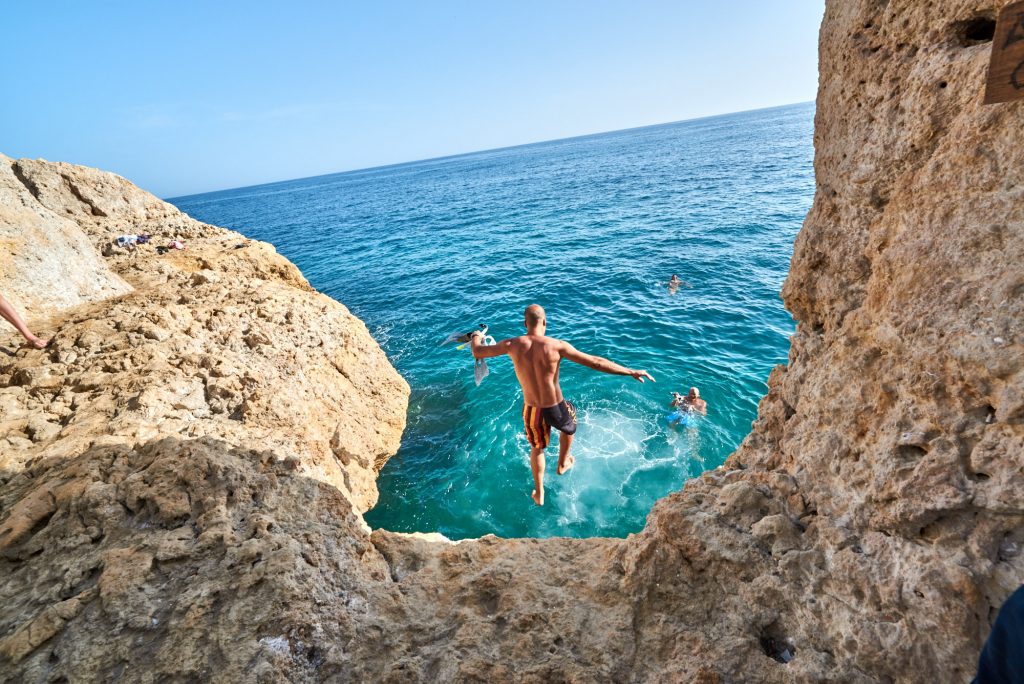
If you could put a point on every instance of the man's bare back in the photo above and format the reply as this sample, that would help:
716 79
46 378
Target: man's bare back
537 359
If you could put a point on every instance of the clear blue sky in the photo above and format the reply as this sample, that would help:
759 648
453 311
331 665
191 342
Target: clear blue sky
184 97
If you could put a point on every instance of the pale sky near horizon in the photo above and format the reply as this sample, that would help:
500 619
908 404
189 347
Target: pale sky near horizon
189 97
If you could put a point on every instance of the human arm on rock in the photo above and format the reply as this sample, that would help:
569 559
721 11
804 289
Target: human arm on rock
601 364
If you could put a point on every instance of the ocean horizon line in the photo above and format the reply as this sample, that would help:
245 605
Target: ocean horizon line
458 155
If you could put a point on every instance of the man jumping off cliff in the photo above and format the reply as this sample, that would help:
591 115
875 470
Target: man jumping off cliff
536 359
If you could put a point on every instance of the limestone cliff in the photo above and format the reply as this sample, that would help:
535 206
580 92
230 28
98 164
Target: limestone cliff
220 382
184 471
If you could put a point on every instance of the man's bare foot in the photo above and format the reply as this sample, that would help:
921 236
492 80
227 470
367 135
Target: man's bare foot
570 461
35 343
539 500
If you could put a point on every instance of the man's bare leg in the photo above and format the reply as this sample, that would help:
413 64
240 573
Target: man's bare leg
537 466
565 459
12 317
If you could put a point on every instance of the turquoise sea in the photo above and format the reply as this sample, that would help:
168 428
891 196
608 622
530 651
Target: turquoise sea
590 228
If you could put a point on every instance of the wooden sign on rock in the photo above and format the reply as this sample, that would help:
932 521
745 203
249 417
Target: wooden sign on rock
1006 68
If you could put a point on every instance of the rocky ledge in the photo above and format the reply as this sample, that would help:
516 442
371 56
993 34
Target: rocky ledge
183 472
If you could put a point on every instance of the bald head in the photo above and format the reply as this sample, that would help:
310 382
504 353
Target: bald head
535 316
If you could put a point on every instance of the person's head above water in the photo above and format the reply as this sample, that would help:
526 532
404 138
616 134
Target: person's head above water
536 319
694 393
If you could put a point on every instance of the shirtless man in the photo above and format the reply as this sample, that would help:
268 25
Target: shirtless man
536 359
691 402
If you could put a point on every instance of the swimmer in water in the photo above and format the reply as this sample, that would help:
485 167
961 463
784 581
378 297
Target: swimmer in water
691 402
674 282
537 359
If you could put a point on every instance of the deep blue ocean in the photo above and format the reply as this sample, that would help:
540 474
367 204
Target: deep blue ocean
591 228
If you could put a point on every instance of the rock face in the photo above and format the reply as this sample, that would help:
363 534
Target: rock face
184 472
47 262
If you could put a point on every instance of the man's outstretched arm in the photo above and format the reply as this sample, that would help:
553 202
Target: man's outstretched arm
601 364
484 351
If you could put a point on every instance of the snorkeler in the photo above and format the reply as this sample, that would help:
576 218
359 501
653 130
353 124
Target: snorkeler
536 359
